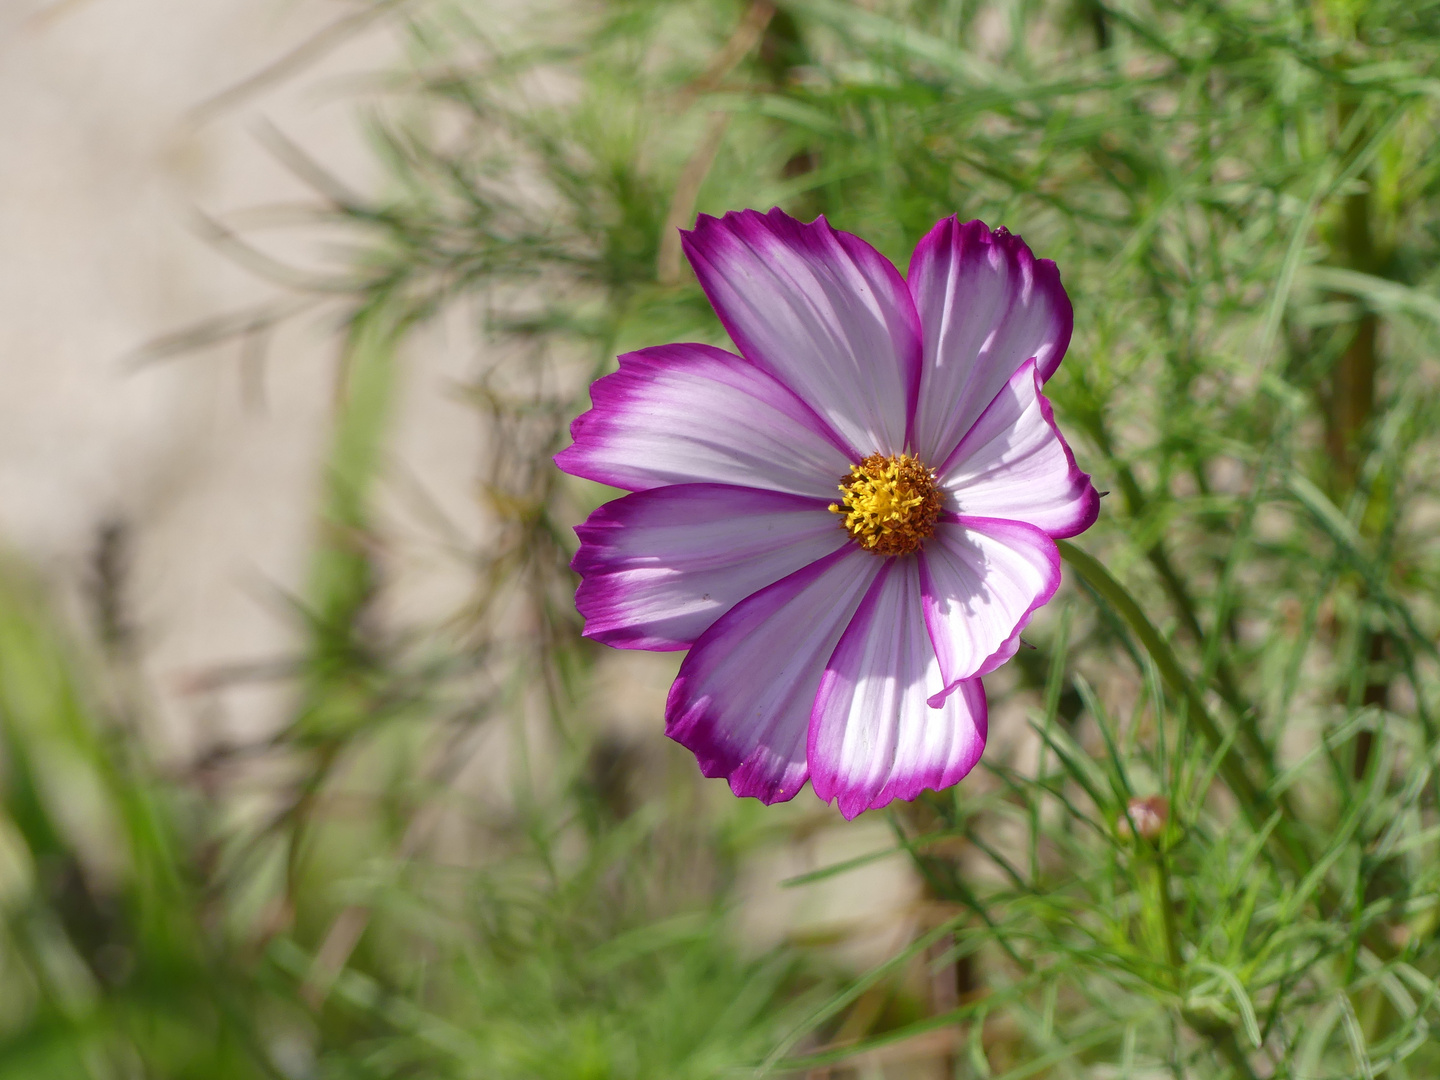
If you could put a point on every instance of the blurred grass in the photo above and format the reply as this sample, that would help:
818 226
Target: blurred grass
450 869
108 961
123 956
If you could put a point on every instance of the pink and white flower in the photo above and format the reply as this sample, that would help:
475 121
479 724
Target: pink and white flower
840 641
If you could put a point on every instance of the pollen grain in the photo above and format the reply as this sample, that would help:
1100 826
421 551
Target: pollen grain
890 504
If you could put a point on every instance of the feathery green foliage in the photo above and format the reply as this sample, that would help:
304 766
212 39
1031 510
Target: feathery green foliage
1204 845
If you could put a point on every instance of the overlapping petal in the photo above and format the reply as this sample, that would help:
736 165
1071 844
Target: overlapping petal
678 414
873 735
659 567
1015 464
741 702
987 305
981 580
823 311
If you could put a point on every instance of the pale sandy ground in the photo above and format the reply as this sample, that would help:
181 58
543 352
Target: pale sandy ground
103 166
108 155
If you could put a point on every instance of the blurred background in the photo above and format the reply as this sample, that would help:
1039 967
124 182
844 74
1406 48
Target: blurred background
134 127
167 440
306 771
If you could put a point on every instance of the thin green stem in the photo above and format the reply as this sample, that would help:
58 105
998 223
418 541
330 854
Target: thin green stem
1158 556
1255 802
1167 912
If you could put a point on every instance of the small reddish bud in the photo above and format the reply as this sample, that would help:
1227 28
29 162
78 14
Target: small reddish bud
1149 815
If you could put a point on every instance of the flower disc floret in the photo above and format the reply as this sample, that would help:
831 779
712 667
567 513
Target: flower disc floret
890 504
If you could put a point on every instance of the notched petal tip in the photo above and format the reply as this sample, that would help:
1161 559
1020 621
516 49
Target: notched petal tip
986 305
820 309
691 413
906 787
873 737
759 775
1087 506
952 239
659 567
981 582
1015 464
742 700
748 215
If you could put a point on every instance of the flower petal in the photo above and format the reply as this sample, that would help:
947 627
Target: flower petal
1014 463
987 305
823 311
679 414
982 578
659 567
741 702
873 735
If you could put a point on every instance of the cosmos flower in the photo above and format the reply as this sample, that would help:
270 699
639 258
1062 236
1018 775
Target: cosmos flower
850 522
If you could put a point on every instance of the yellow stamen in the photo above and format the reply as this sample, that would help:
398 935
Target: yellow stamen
890 504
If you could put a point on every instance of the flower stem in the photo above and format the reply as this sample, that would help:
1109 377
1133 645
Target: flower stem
1256 804
1167 912
1159 558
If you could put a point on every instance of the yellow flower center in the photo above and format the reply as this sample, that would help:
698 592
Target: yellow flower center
890 504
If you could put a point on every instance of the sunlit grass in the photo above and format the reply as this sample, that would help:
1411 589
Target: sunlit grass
1242 199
